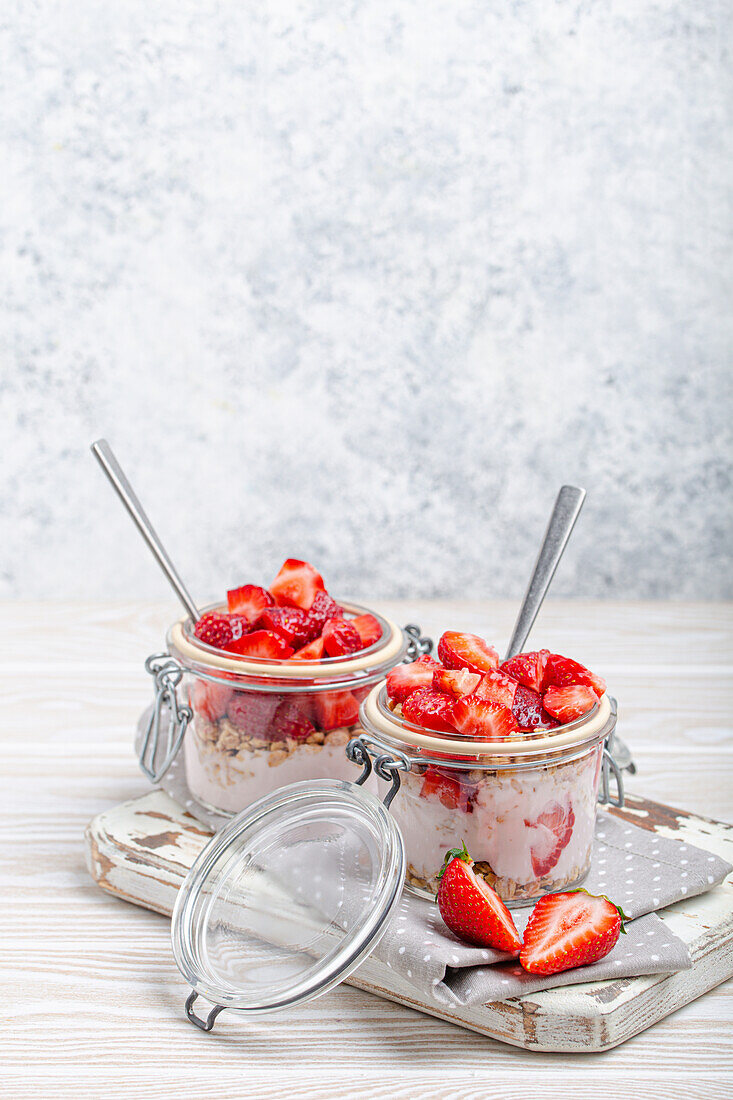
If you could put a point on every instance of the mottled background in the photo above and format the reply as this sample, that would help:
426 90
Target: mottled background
366 282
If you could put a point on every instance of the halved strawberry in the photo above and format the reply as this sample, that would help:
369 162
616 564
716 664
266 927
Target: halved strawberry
240 625
335 708
571 929
428 708
340 637
261 643
447 789
214 629
250 600
551 832
292 624
497 687
471 909
252 712
475 717
527 668
210 700
297 584
290 721
467 651
528 710
568 703
314 651
563 671
404 679
323 608
368 629
455 681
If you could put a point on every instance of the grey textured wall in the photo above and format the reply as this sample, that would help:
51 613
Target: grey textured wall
365 282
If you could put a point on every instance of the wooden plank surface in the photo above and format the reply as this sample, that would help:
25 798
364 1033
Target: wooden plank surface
92 994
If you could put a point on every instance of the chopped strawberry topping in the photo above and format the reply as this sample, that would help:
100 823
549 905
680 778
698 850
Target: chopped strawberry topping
340 637
563 671
261 643
252 712
404 679
210 700
528 710
497 687
314 651
455 681
568 703
475 717
527 668
322 609
335 708
250 601
571 929
551 831
431 709
447 789
368 629
297 584
290 623
290 721
467 651
214 630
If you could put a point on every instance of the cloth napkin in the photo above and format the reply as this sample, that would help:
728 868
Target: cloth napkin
639 870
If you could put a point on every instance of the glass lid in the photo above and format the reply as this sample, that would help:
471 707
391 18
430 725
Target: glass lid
288 898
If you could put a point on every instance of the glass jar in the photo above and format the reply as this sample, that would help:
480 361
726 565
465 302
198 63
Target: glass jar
525 807
249 726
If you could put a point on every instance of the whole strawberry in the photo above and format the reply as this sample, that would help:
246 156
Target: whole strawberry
571 929
471 909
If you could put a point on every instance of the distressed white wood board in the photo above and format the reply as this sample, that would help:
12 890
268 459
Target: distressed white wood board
141 850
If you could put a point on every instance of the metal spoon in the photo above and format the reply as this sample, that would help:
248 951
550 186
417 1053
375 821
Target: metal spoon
564 514
106 459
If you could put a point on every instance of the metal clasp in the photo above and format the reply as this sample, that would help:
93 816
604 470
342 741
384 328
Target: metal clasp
417 645
167 675
388 763
208 1023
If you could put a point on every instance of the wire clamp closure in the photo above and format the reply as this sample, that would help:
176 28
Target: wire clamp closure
167 675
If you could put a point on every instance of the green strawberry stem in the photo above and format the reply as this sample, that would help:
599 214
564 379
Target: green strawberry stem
455 853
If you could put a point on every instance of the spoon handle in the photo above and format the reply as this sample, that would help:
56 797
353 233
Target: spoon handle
564 514
106 459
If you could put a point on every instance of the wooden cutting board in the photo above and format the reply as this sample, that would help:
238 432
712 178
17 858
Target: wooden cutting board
141 850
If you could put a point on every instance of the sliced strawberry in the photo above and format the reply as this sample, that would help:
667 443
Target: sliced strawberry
448 790
314 651
467 651
527 668
261 643
340 637
322 609
240 625
471 909
551 832
563 671
210 700
290 721
497 687
568 703
428 708
214 630
250 601
335 708
528 710
289 623
567 930
404 679
297 584
455 681
368 629
475 717
252 712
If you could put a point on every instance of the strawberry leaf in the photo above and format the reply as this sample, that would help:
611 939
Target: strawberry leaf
455 853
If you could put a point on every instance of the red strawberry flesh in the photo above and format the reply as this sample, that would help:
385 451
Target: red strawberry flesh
261 643
455 681
467 651
368 629
214 629
568 930
563 671
297 584
250 601
340 638
482 719
528 710
497 687
447 789
292 624
323 608
210 700
472 909
550 831
333 709
314 651
527 668
568 703
404 679
430 709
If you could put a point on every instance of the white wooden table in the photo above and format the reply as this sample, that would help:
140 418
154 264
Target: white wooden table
92 996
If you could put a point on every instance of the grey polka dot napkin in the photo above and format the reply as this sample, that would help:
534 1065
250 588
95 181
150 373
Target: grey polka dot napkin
637 869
